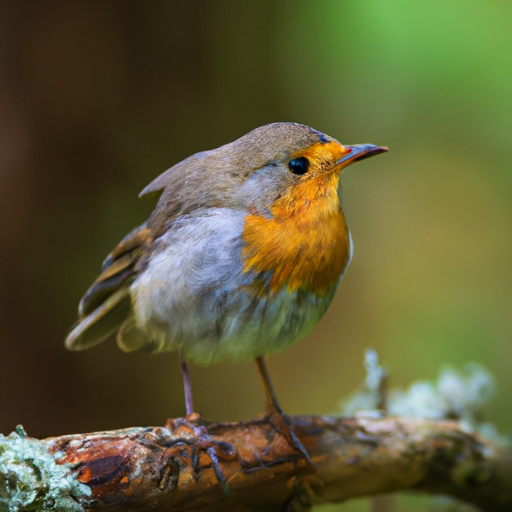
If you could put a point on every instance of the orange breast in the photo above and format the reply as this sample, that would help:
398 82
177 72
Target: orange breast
305 245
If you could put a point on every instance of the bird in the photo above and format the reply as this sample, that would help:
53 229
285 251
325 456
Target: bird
239 260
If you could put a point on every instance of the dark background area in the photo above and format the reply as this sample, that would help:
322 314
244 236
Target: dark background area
98 98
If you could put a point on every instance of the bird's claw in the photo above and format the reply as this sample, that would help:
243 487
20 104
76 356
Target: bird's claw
281 425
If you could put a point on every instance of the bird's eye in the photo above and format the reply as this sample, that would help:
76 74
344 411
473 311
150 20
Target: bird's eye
299 165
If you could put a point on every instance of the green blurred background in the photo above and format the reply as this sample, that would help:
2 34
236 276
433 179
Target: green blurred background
97 98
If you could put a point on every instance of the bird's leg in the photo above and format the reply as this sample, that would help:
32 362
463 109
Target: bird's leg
272 404
276 414
194 424
189 403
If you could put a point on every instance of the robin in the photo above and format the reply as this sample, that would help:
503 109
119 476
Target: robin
240 258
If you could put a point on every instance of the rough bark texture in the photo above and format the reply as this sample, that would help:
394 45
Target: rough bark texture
249 466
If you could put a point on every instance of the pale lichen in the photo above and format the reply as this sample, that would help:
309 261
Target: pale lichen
369 398
460 395
456 394
30 478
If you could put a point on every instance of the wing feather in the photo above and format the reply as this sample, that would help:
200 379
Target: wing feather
107 303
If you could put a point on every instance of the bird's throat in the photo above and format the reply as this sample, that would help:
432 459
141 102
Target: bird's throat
304 245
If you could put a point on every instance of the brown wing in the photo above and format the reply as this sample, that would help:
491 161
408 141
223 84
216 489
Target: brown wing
107 304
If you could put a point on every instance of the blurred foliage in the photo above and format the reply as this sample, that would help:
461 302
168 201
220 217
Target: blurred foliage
97 98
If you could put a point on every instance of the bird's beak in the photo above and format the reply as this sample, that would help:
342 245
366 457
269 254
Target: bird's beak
359 152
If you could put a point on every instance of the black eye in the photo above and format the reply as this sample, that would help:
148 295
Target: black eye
299 165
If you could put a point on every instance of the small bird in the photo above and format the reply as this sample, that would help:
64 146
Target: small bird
240 258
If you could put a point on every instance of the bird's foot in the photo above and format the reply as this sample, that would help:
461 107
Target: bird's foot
192 433
281 424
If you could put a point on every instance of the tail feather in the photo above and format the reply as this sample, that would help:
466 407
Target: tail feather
107 303
101 323
129 337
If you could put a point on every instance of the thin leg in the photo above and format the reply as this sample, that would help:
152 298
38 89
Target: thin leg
189 403
270 396
276 414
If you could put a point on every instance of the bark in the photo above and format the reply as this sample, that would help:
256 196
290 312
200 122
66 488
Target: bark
188 465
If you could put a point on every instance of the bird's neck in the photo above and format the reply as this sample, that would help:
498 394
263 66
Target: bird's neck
305 244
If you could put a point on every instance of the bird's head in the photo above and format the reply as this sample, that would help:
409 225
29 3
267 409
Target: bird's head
288 159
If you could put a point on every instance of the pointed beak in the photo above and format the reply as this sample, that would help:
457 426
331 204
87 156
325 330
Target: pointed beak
359 152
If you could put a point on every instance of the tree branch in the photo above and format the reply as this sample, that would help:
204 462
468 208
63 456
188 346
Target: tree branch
248 465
